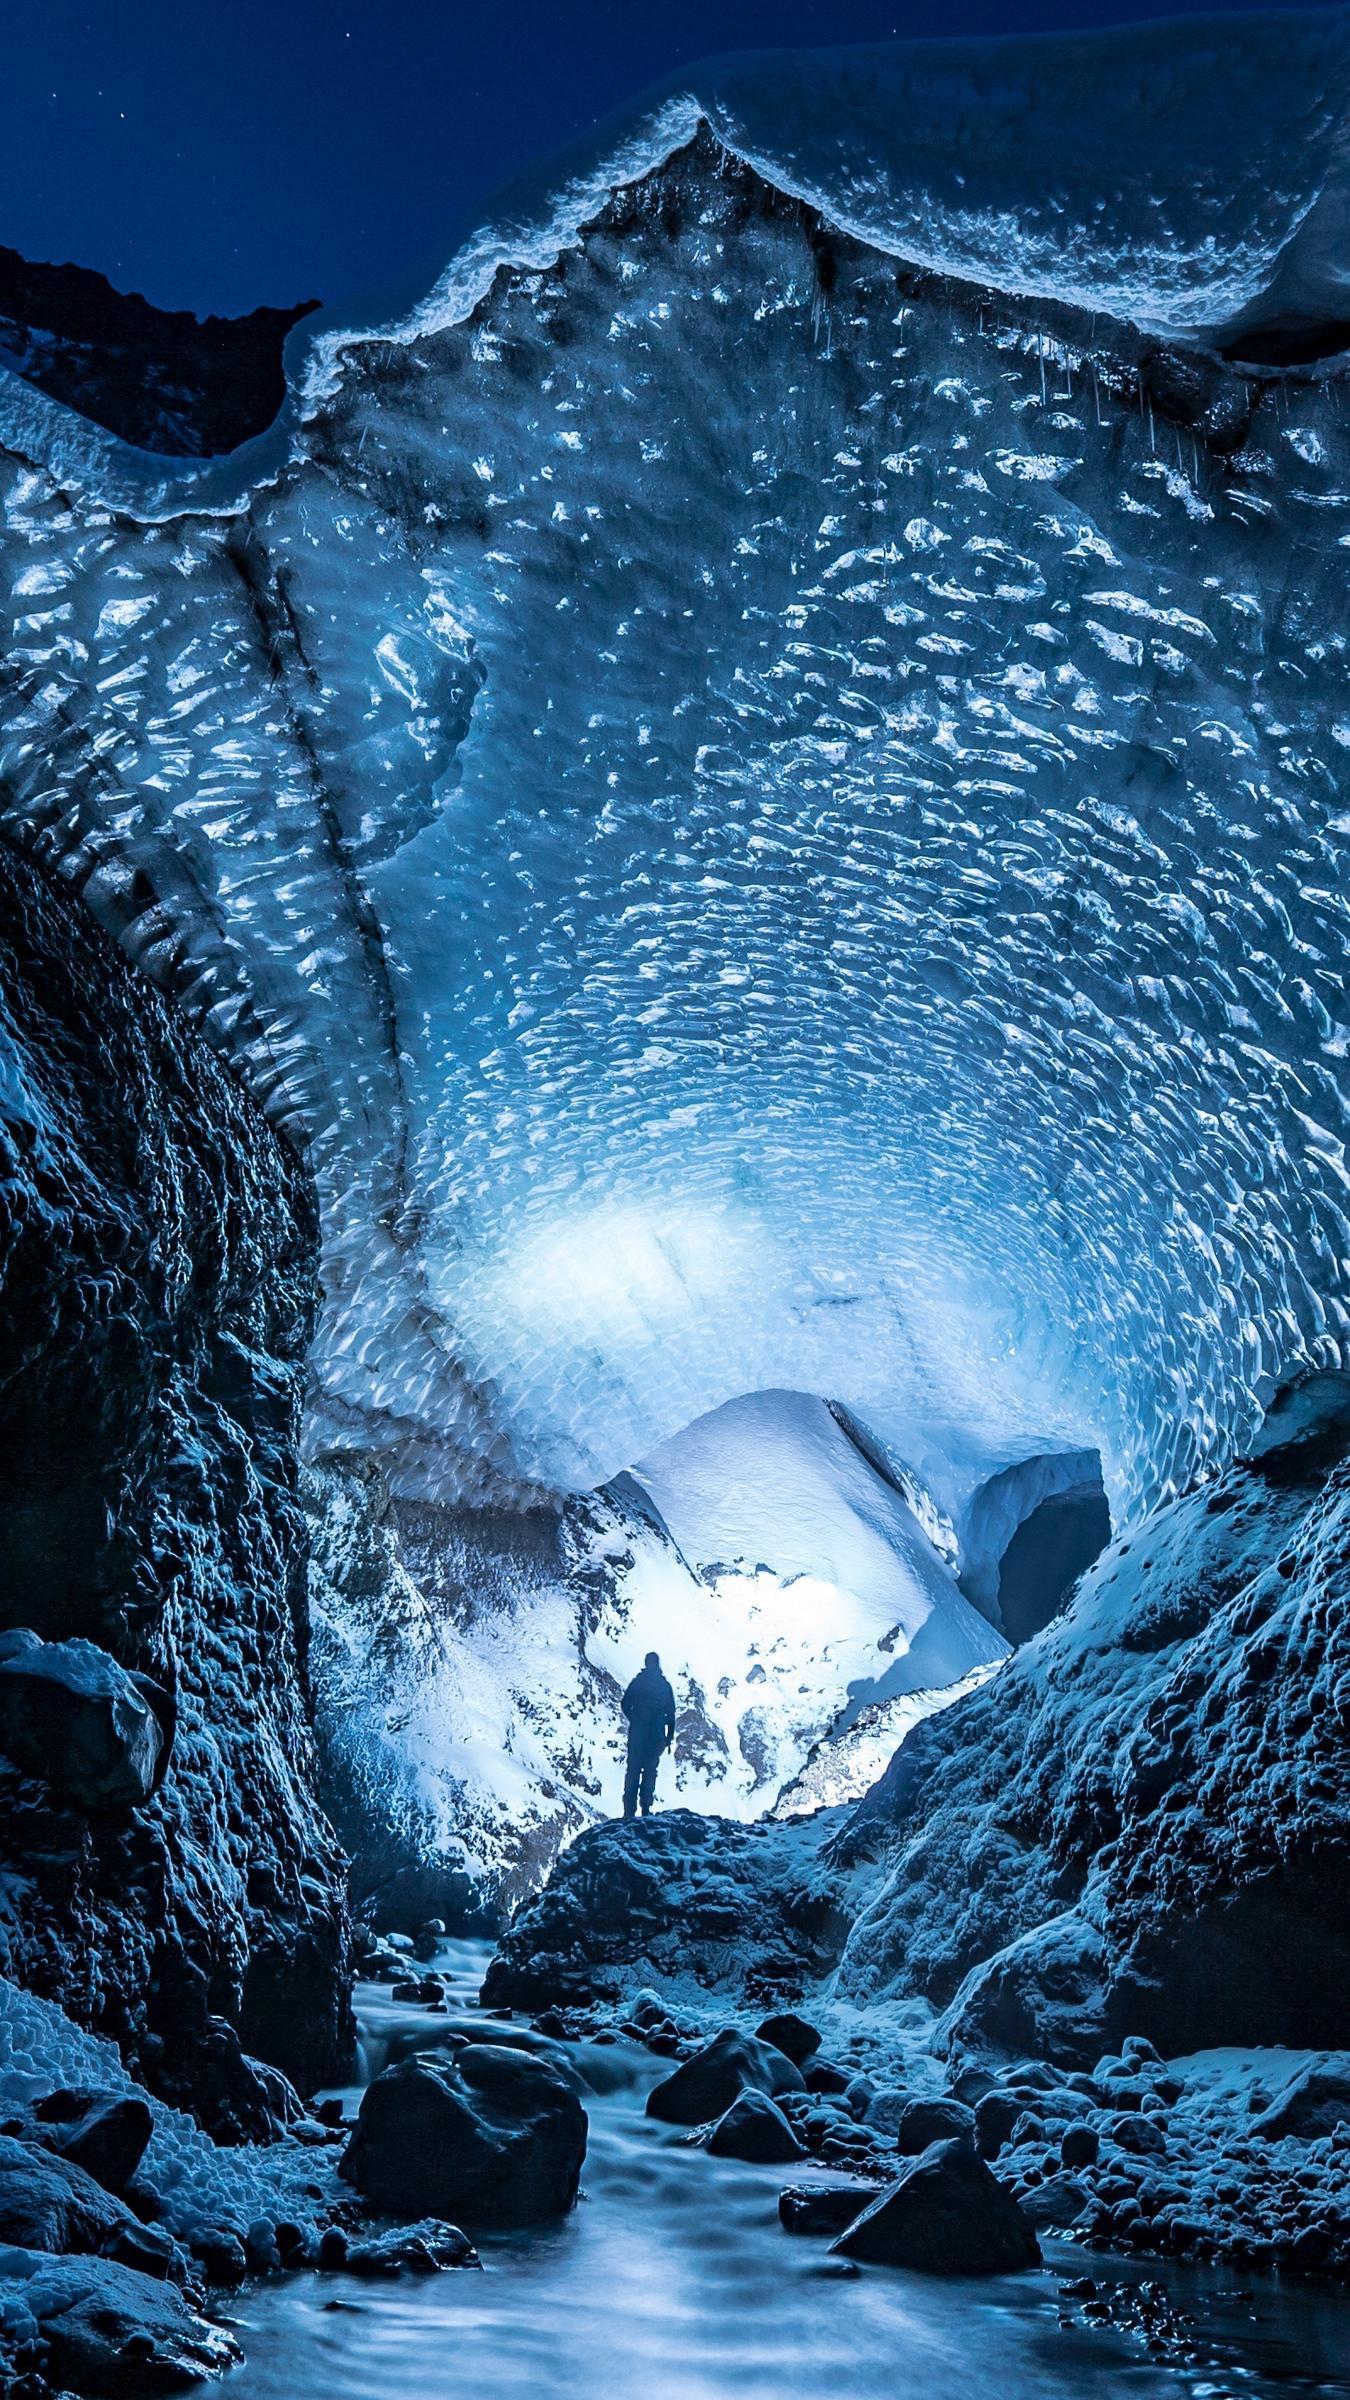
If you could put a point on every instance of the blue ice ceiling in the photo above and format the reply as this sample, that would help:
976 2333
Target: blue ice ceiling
762 775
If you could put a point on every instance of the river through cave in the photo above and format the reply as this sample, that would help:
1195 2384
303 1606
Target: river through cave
675 2276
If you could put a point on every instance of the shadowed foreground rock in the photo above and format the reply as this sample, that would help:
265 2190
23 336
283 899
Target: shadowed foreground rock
947 2215
487 2137
50 2203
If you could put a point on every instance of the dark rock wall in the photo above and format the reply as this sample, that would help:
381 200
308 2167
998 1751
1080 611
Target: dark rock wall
157 1279
162 379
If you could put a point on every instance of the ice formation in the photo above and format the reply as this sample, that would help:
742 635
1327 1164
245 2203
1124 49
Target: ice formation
760 773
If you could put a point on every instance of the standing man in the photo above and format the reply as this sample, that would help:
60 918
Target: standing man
649 1705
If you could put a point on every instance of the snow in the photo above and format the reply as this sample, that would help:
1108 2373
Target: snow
783 1582
205 2190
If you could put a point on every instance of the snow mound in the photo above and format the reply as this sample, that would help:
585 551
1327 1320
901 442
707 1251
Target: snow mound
205 2190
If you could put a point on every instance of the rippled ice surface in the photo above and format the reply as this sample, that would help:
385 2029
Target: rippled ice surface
674 2278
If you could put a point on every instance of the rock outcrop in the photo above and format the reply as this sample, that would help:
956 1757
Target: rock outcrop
745 1910
1142 1826
170 1878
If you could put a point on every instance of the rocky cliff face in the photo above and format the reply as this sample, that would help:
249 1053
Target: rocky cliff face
157 1277
1142 1826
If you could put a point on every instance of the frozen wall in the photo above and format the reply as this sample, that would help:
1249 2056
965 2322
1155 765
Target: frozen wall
771 810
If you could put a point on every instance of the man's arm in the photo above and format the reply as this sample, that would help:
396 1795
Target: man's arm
670 1716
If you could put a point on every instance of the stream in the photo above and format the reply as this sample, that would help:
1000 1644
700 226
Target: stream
674 2281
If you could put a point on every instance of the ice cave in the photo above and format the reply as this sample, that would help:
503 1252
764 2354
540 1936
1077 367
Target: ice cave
673 915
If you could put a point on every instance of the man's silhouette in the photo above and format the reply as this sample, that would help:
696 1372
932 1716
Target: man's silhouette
649 1705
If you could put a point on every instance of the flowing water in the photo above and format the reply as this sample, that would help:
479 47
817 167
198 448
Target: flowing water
674 2281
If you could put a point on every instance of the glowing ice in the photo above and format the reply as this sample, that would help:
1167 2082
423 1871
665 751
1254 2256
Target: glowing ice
773 821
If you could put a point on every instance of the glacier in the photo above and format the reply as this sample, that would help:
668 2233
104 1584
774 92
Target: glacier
757 772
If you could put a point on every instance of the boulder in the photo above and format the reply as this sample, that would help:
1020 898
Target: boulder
113 2334
927 2121
995 2116
795 2036
49 2203
886 2108
485 2136
1312 2103
706 2084
77 1722
824 2077
106 2133
821 2208
754 2129
946 2215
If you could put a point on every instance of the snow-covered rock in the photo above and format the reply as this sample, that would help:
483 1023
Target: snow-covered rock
681 1904
1143 1825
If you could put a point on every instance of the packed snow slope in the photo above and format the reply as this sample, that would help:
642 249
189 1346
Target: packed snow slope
758 768
468 1664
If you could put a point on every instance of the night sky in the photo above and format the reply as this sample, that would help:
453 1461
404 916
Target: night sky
217 153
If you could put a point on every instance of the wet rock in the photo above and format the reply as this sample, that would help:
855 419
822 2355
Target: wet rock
1055 2204
75 1720
487 2136
946 2215
928 2121
112 2333
106 2133
795 2036
49 2203
753 2128
823 2209
421 2249
705 2086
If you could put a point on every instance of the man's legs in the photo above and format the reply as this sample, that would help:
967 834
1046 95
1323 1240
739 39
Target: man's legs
647 1781
636 1770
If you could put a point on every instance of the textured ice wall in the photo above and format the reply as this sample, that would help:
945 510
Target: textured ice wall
774 820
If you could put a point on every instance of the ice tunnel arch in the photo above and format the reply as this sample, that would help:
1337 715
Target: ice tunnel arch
771 815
